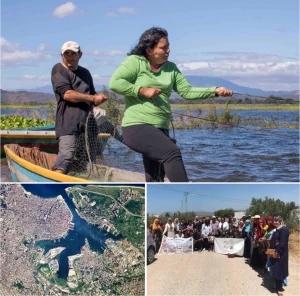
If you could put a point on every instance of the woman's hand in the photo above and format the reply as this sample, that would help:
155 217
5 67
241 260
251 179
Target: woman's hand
223 92
149 92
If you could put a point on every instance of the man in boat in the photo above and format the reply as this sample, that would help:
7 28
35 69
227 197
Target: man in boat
76 96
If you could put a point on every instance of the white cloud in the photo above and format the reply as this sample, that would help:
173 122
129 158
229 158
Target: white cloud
8 47
65 10
121 10
108 53
29 76
248 69
126 10
100 80
41 47
11 55
111 14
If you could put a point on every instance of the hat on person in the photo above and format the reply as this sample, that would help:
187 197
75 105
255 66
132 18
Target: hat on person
256 217
213 217
70 45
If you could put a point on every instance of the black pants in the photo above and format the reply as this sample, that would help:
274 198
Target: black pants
279 285
205 244
160 154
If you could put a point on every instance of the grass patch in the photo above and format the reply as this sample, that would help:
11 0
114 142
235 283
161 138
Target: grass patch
294 244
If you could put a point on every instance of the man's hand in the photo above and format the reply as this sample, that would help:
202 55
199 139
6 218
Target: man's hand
99 99
224 92
149 92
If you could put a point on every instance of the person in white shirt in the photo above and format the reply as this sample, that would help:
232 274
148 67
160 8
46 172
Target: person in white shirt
169 229
176 225
223 227
179 234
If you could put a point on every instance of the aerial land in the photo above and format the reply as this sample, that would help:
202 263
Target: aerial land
27 269
119 210
26 218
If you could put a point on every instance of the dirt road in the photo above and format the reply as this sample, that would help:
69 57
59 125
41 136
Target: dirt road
208 273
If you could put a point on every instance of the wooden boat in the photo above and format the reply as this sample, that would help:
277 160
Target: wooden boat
33 170
42 137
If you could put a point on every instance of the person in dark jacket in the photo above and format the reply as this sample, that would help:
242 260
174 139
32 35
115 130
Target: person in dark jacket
279 262
246 235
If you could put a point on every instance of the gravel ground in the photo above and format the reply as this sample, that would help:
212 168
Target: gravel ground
208 273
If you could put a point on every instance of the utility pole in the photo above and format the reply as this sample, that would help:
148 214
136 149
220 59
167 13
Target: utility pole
185 201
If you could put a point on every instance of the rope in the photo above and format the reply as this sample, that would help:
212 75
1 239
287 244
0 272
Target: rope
226 124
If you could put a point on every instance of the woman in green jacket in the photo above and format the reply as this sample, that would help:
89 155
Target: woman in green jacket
146 79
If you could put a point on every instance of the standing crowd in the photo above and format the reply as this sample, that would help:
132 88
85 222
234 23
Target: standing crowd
260 234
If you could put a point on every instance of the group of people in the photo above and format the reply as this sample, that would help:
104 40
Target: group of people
146 79
260 234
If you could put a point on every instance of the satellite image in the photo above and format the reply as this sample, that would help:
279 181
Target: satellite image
60 239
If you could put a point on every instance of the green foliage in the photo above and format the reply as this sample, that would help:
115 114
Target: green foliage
44 268
51 111
112 107
225 213
19 285
272 207
186 215
293 222
60 281
12 122
136 207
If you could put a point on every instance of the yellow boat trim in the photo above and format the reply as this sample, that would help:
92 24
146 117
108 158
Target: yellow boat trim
29 136
41 171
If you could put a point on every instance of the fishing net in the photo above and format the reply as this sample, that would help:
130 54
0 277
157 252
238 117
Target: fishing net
100 149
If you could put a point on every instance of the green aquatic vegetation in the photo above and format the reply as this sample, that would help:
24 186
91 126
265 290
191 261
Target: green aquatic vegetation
209 118
190 118
14 121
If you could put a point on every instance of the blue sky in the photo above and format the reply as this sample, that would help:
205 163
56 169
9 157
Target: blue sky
211 197
251 43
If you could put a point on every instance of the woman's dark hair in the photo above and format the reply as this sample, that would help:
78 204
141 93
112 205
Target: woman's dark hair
207 222
149 39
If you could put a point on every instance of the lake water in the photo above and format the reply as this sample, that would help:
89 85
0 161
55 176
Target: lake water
27 112
227 154
75 239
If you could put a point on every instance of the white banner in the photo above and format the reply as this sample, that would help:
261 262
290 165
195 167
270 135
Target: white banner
171 246
229 246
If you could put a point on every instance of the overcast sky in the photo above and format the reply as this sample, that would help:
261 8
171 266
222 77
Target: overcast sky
211 197
252 43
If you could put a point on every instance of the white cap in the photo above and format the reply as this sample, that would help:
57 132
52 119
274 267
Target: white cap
70 45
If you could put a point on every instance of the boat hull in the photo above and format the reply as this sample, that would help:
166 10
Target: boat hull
25 171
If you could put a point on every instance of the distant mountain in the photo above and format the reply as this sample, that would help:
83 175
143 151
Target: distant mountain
23 97
49 90
205 81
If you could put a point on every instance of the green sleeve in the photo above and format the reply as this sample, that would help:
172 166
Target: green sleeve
185 90
123 80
